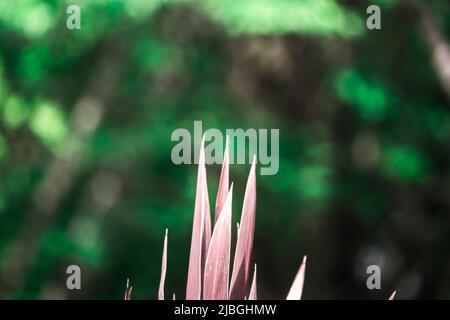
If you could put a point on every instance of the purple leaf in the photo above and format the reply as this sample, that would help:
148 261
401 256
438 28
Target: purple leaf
201 233
295 293
163 270
244 246
253 291
217 266
223 183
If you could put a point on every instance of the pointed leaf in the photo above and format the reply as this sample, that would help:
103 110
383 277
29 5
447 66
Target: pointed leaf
295 293
206 223
201 232
244 246
253 289
163 270
206 239
217 266
128 290
222 192
392 297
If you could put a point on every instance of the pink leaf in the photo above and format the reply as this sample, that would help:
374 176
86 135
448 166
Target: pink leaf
253 290
201 232
128 290
295 293
218 261
223 183
163 270
392 297
244 246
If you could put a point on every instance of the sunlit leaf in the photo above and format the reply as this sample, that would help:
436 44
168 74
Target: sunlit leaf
48 122
323 17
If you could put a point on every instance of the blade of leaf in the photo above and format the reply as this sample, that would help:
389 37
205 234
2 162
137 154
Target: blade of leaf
222 191
217 266
392 297
163 269
253 289
206 221
295 293
201 232
128 290
206 215
244 246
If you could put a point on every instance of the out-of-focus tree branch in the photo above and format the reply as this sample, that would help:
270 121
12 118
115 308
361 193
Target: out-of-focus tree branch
62 169
439 47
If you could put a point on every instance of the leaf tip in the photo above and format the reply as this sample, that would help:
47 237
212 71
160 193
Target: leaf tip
392 297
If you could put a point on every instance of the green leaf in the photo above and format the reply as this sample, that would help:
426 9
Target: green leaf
48 122
267 17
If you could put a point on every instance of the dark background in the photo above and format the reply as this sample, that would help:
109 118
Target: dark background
86 117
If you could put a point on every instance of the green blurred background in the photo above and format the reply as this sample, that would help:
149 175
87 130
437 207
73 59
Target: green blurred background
86 117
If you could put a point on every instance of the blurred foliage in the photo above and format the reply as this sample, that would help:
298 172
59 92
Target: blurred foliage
86 117
280 17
